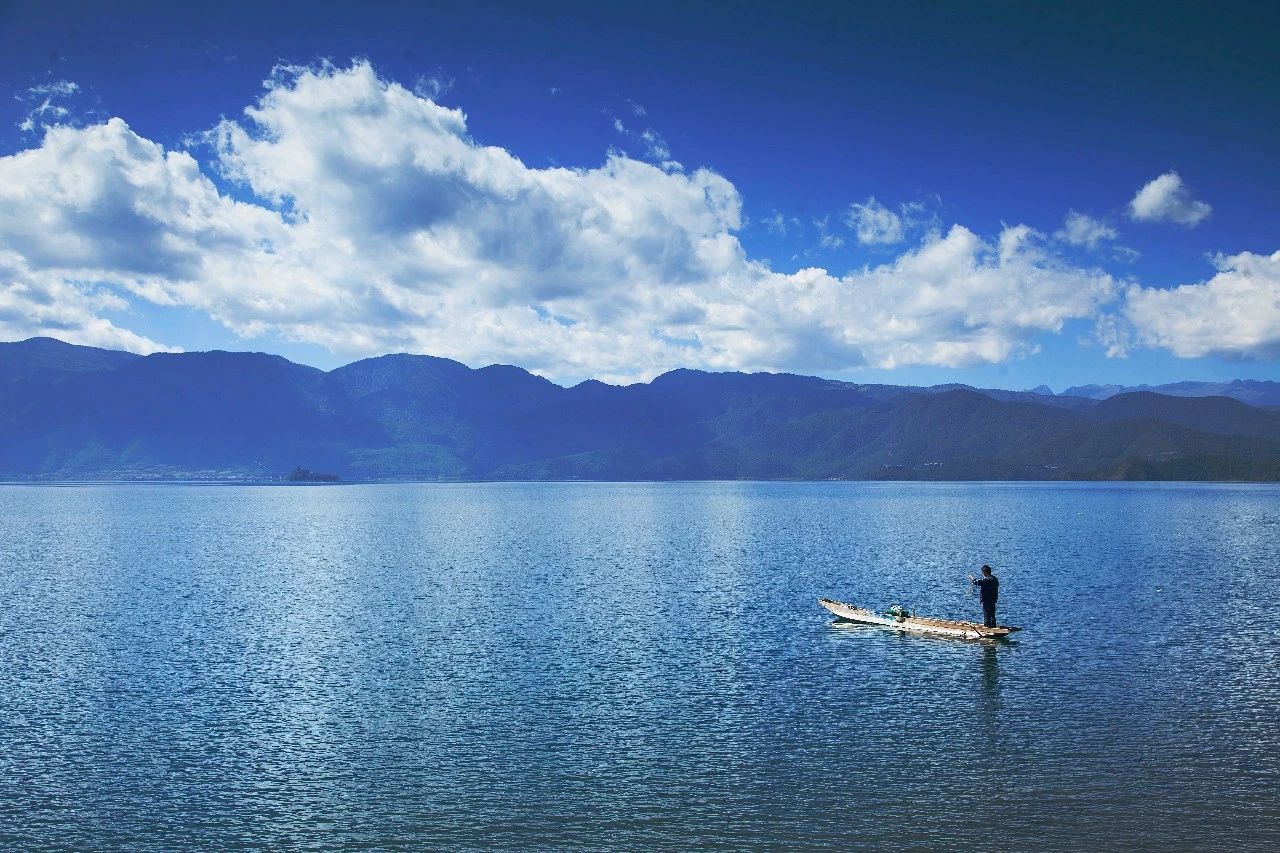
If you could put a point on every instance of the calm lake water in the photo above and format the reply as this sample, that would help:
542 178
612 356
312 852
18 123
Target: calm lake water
636 666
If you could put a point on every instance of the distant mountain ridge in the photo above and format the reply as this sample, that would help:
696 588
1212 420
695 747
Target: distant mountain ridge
78 412
44 360
1255 392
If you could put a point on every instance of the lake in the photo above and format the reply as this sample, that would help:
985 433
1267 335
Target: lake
636 667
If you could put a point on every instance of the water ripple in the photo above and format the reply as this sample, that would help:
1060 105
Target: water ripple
601 667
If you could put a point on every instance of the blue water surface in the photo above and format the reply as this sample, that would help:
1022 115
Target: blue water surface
636 667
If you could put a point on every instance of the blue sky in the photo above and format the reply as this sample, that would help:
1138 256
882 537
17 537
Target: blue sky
801 130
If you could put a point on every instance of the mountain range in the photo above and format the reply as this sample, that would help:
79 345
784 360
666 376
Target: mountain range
72 412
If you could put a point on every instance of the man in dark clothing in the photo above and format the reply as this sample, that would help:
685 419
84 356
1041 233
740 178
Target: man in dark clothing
989 591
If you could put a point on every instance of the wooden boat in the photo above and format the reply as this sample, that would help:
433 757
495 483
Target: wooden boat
900 620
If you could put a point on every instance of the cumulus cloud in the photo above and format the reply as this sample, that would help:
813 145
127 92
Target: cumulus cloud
1235 314
874 223
47 303
1079 229
1167 199
955 300
98 207
367 219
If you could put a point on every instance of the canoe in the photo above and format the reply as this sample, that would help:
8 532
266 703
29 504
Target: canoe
916 624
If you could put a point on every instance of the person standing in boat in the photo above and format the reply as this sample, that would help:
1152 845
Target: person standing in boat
989 592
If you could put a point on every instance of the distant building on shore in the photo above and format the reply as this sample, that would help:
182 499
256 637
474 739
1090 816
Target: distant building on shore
304 475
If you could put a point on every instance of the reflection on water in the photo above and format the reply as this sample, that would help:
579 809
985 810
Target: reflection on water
636 666
990 668
989 692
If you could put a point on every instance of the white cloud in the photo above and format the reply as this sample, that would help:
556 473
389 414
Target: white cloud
1114 334
1235 314
826 239
1167 199
955 300
432 86
44 104
104 200
1079 229
42 303
874 223
780 225
656 147
102 205
381 225
1124 254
